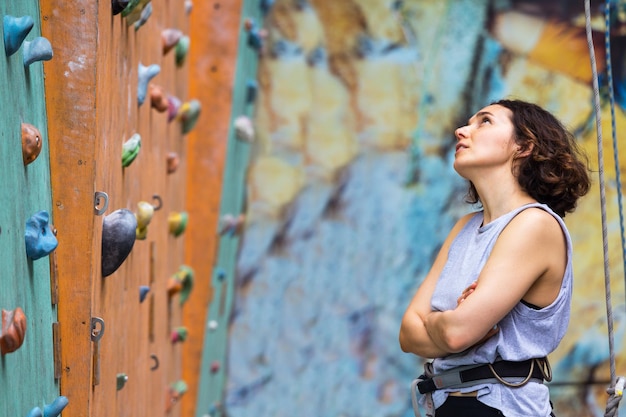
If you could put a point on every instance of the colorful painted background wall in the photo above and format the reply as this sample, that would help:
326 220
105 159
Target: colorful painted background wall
350 192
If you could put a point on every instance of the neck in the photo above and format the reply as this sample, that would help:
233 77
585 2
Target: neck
501 199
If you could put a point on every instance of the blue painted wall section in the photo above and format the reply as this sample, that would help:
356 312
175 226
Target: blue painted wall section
27 378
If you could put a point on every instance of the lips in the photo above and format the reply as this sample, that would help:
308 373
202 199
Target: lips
460 146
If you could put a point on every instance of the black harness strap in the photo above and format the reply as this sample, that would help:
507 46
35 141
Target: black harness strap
499 369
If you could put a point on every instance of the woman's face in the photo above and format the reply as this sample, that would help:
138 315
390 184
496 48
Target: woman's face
486 143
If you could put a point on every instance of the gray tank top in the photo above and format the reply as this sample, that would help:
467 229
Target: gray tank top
524 333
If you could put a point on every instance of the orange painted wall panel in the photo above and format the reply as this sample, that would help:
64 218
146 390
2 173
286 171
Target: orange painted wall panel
91 89
214 29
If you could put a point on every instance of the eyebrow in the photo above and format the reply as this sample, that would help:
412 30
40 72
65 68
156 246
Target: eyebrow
478 115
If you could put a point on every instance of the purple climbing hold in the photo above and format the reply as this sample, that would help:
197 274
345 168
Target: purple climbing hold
15 31
174 104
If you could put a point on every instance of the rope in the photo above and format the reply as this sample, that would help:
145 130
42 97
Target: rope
609 71
615 391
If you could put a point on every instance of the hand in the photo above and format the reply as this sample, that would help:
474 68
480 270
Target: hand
466 292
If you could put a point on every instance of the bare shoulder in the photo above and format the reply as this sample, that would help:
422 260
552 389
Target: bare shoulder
537 220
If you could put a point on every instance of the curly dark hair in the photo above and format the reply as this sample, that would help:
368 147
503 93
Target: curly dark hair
556 172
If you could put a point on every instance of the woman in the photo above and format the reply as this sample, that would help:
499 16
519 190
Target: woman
499 290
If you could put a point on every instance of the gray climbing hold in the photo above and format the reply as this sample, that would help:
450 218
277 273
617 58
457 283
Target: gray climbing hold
118 238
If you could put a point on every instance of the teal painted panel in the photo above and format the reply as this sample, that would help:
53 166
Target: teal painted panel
213 370
27 375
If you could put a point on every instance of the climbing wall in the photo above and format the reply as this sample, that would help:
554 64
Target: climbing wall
216 30
27 375
120 327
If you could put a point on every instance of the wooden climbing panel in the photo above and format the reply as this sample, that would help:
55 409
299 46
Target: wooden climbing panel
215 28
117 354
213 371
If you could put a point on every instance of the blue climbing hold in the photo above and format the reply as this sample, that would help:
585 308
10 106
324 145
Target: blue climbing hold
39 237
39 49
145 74
50 410
54 409
15 31
143 292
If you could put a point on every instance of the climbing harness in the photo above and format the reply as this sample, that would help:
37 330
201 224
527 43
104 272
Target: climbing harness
617 384
535 370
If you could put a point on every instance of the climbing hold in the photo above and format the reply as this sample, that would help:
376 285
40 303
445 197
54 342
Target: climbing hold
54 409
177 222
35 412
144 214
188 115
215 367
39 237
182 48
255 35
173 161
118 238
133 11
251 91
212 325
158 98
248 24
230 224
176 391
144 75
143 292
50 410
122 379
39 49
143 16
130 149
118 5
31 143
266 6
169 39
15 31
221 274
179 334
174 104
188 6
130 7
13 330
181 282
244 129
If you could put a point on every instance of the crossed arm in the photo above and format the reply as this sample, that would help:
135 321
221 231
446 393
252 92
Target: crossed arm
527 262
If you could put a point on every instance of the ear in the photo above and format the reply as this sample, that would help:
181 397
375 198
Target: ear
523 152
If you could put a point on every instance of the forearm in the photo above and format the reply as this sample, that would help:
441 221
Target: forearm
451 333
414 338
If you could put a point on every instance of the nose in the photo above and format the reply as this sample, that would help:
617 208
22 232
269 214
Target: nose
461 132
